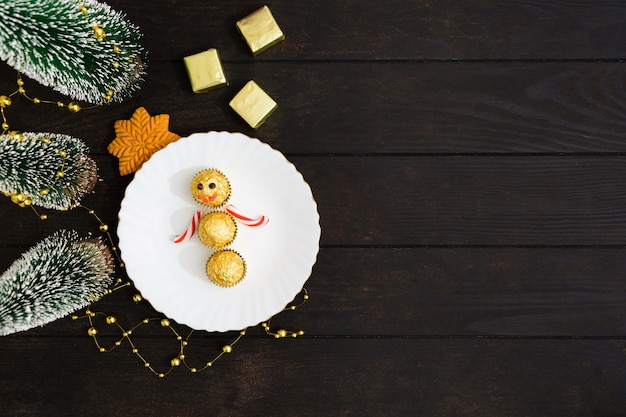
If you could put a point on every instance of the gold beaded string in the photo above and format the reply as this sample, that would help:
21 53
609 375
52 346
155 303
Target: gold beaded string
181 358
283 332
7 100
125 335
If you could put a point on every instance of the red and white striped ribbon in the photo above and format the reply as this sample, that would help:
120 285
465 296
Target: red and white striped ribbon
233 211
191 229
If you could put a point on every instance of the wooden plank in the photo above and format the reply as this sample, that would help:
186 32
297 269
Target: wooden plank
426 108
575 292
446 200
396 29
309 377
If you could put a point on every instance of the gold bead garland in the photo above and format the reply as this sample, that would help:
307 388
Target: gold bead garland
180 360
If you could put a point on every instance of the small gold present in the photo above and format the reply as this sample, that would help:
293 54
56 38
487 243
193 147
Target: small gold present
253 104
205 71
260 30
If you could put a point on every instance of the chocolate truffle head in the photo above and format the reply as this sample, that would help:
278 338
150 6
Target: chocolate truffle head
210 187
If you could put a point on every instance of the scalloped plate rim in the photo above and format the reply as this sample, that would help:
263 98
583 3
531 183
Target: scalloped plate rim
248 303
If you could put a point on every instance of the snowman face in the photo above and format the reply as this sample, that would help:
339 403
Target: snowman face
210 188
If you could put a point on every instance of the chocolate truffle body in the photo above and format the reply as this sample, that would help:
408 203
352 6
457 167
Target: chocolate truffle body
217 229
226 268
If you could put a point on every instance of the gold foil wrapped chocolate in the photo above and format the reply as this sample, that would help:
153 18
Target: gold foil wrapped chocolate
226 268
253 104
210 187
217 229
205 71
260 30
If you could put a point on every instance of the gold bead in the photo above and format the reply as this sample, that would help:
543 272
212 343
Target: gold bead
175 362
20 82
306 297
21 90
102 350
116 64
47 141
62 153
73 107
179 338
116 49
104 227
44 192
147 364
111 319
135 350
161 375
5 126
209 364
227 349
28 202
16 135
181 357
117 343
60 104
193 370
36 100
5 101
44 217
92 331
243 332
83 9
146 321
60 174
74 317
165 322
137 298
98 32
282 333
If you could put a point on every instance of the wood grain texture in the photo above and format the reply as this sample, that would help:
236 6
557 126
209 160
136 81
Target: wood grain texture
467 159
391 30
391 108
309 377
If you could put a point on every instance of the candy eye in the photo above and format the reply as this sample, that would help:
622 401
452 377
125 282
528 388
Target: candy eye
212 185
200 186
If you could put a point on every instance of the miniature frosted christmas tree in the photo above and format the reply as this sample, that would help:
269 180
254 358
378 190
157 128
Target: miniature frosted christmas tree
80 48
61 274
48 170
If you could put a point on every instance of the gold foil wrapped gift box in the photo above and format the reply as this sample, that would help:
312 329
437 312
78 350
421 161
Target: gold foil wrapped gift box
253 104
260 30
205 71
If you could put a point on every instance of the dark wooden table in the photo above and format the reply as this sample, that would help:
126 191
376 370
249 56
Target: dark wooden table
468 161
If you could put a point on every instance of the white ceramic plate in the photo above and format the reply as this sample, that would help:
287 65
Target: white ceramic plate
172 277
